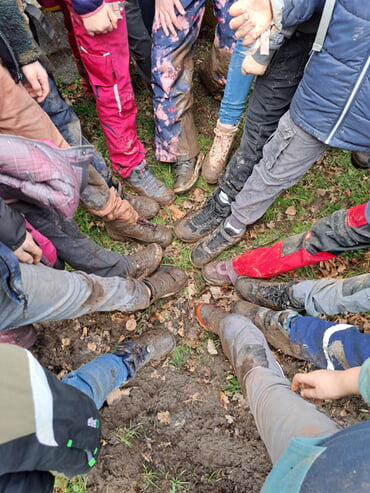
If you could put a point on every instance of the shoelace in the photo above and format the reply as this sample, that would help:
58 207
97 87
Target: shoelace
150 182
224 141
144 223
278 296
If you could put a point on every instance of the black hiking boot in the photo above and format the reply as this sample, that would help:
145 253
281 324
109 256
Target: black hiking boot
166 282
214 244
274 295
274 325
198 224
152 345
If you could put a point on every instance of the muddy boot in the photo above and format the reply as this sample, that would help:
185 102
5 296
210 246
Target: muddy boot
142 181
274 295
210 316
243 343
220 273
186 173
144 206
198 224
274 325
361 160
212 245
216 160
167 281
142 230
152 345
22 336
146 260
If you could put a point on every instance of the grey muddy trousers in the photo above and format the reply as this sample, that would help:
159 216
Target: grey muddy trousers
280 414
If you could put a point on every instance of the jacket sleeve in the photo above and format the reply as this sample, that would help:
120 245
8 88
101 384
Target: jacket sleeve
27 482
288 13
86 7
12 226
364 380
14 26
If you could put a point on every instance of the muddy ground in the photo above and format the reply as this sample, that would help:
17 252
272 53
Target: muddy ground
181 424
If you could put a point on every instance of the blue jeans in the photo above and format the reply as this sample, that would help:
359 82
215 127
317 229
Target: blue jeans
100 377
269 100
236 89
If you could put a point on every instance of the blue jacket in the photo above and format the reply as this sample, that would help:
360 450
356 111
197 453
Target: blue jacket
332 100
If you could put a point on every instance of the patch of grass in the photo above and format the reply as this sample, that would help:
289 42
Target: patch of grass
231 385
214 477
74 485
150 477
126 434
180 355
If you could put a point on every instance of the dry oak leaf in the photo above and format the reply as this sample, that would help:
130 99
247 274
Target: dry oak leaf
291 211
164 417
211 348
224 400
117 394
176 212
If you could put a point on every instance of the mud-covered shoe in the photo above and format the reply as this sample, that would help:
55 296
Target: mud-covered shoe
142 181
167 281
210 316
21 336
274 295
144 206
186 173
212 245
146 260
220 273
198 224
142 230
152 345
216 160
361 160
274 325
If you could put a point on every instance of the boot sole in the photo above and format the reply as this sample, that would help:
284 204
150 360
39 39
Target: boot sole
185 188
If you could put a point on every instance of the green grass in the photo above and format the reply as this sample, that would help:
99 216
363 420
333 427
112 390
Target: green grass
180 355
127 434
231 384
74 485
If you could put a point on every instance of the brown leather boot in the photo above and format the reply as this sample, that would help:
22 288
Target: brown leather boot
142 230
167 281
146 260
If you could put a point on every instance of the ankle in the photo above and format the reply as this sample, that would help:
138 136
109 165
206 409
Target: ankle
233 226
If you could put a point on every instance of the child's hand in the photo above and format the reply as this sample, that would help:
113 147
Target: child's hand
102 22
251 19
37 83
165 15
326 384
250 66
